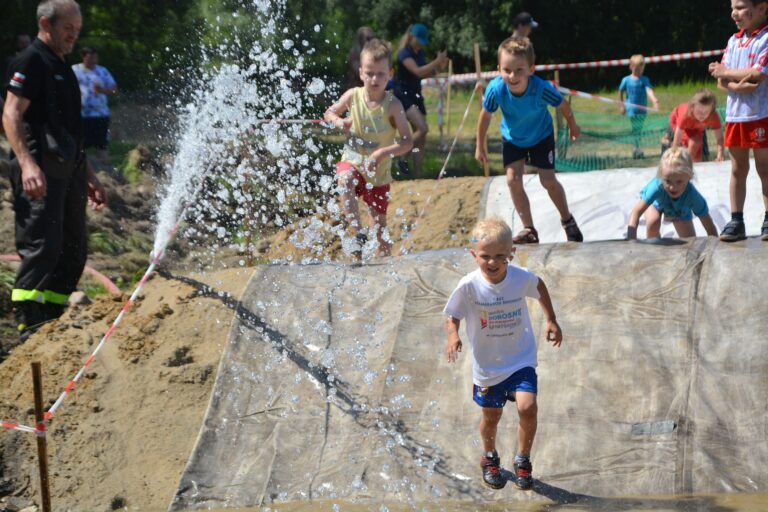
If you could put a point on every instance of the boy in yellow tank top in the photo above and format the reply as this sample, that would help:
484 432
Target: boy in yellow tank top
375 119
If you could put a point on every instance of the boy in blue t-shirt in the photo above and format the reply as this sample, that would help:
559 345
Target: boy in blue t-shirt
527 132
637 88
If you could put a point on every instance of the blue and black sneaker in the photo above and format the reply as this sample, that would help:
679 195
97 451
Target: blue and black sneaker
735 231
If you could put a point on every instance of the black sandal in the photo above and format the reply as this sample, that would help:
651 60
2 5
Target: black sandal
528 235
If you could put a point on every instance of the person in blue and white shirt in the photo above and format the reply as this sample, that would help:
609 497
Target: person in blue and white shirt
96 85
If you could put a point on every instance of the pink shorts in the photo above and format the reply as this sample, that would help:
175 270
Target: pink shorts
749 134
377 198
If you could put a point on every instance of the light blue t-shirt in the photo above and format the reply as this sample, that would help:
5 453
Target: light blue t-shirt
635 88
525 119
689 201
94 104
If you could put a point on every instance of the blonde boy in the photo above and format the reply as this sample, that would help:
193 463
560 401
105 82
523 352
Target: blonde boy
376 117
492 299
638 90
527 133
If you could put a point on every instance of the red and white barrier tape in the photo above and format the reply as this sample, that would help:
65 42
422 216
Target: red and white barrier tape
471 77
582 94
291 121
126 307
15 426
40 428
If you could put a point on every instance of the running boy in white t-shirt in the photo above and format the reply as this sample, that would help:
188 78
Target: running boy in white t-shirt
492 299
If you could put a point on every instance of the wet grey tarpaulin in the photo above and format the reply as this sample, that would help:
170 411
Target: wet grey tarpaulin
334 384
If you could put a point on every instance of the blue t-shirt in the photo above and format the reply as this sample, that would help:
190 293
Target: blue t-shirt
525 119
689 201
635 88
405 81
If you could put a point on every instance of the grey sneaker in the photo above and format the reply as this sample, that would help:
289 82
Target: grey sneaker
735 231
764 231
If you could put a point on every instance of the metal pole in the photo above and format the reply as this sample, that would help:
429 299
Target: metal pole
42 443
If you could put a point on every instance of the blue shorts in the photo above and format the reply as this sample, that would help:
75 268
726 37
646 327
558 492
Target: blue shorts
496 396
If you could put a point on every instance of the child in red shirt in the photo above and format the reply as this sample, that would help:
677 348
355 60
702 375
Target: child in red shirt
689 120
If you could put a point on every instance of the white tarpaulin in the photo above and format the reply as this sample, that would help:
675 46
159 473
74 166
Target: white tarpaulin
601 201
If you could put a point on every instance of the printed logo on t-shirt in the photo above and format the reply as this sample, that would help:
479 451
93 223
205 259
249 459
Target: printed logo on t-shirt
501 319
17 80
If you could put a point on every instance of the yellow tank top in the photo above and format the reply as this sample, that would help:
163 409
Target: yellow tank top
370 130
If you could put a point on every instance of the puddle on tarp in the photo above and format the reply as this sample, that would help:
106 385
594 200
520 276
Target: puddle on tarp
733 502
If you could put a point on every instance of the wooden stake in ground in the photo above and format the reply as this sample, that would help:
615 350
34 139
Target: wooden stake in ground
486 170
42 443
448 99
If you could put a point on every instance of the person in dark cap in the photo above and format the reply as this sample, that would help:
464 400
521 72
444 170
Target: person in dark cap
523 24
412 68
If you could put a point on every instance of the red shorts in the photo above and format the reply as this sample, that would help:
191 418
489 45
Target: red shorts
377 198
749 134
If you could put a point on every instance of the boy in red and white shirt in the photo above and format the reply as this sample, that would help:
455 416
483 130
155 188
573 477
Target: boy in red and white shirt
742 74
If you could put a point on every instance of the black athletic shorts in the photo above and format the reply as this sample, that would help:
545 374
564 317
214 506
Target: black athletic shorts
541 155
96 131
411 98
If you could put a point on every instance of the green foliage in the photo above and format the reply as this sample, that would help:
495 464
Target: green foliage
101 241
156 46
92 288
7 279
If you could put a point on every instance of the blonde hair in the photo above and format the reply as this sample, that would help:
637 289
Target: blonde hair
377 50
406 39
518 47
703 97
492 228
678 161
637 60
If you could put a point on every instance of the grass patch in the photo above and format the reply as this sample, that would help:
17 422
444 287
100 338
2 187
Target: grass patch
92 288
100 241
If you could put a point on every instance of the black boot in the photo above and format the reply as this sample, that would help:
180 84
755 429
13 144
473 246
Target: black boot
29 317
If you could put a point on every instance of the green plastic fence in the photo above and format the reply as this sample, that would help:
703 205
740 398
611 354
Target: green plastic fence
608 142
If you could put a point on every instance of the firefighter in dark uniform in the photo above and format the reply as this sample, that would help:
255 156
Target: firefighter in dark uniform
51 180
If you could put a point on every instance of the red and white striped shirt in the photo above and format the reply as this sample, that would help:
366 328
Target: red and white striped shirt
748 51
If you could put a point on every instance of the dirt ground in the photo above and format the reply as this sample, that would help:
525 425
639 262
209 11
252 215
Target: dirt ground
123 437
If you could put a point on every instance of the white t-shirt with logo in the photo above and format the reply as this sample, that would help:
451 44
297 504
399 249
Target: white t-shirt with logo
497 321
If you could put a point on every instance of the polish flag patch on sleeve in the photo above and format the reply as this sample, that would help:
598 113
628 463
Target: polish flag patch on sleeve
17 80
